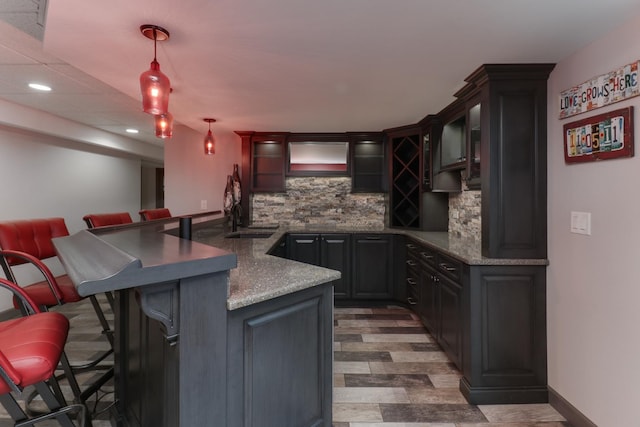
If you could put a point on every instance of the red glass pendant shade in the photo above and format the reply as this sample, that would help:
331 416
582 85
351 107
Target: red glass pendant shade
155 88
154 85
209 144
209 140
164 125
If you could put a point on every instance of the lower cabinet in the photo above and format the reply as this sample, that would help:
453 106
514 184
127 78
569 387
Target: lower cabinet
438 297
335 253
490 320
372 266
326 250
365 261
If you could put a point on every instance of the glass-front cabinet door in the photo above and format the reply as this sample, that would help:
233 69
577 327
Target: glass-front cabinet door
473 149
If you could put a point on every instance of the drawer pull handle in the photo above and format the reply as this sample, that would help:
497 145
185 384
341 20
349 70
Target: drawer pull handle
411 262
426 255
411 281
411 246
373 238
447 267
411 301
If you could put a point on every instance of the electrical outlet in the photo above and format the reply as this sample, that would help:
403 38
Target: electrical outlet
203 204
581 223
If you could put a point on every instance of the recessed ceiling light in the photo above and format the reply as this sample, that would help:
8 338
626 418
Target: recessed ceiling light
38 86
132 130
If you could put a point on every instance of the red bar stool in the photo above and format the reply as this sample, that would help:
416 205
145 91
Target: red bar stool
102 220
31 348
151 214
29 242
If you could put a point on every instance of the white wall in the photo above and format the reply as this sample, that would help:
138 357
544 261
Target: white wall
593 281
191 176
42 179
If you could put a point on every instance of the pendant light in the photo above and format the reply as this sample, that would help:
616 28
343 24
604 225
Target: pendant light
209 140
154 85
164 125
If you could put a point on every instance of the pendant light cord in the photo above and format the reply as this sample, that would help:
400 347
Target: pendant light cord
155 42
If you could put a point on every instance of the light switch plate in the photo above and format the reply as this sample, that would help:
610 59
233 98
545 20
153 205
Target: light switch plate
581 222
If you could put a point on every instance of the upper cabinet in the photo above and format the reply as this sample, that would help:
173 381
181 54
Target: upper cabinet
508 155
317 154
368 162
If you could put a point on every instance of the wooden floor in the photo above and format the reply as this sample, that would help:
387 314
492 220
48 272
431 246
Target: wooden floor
388 372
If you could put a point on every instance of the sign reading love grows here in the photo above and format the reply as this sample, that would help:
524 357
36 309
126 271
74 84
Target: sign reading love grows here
614 86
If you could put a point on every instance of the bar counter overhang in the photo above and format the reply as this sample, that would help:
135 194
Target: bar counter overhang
201 338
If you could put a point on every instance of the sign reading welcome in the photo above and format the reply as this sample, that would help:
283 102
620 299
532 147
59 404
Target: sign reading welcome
615 86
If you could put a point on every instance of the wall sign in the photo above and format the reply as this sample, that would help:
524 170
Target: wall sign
615 86
605 136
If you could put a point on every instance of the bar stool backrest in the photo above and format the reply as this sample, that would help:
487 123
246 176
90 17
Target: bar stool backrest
102 220
151 214
32 236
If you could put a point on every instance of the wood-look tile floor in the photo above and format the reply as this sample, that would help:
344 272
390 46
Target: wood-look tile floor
388 372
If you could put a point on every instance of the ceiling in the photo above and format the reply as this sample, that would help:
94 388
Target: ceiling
280 65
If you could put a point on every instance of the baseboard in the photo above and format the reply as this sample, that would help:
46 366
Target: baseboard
567 410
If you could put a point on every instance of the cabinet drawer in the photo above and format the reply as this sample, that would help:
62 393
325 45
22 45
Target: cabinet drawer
449 266
427 255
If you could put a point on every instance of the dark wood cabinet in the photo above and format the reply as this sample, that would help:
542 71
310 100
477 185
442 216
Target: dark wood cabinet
504 335
267 163
326 250
304 248
512 103
335 253
372 276
368 163
449 312
438 296
490 320
263 165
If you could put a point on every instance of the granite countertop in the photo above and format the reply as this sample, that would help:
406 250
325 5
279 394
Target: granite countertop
259 276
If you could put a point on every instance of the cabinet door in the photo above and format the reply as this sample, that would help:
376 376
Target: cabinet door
450 327
335 253
267 164
372 267
429 307
304 248
368 164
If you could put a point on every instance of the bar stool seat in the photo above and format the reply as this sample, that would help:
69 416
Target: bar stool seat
31 347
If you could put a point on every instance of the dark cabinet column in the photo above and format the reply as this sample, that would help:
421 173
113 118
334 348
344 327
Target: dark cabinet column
513 158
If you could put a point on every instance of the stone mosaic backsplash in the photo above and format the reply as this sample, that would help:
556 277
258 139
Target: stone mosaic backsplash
312 201
465 213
